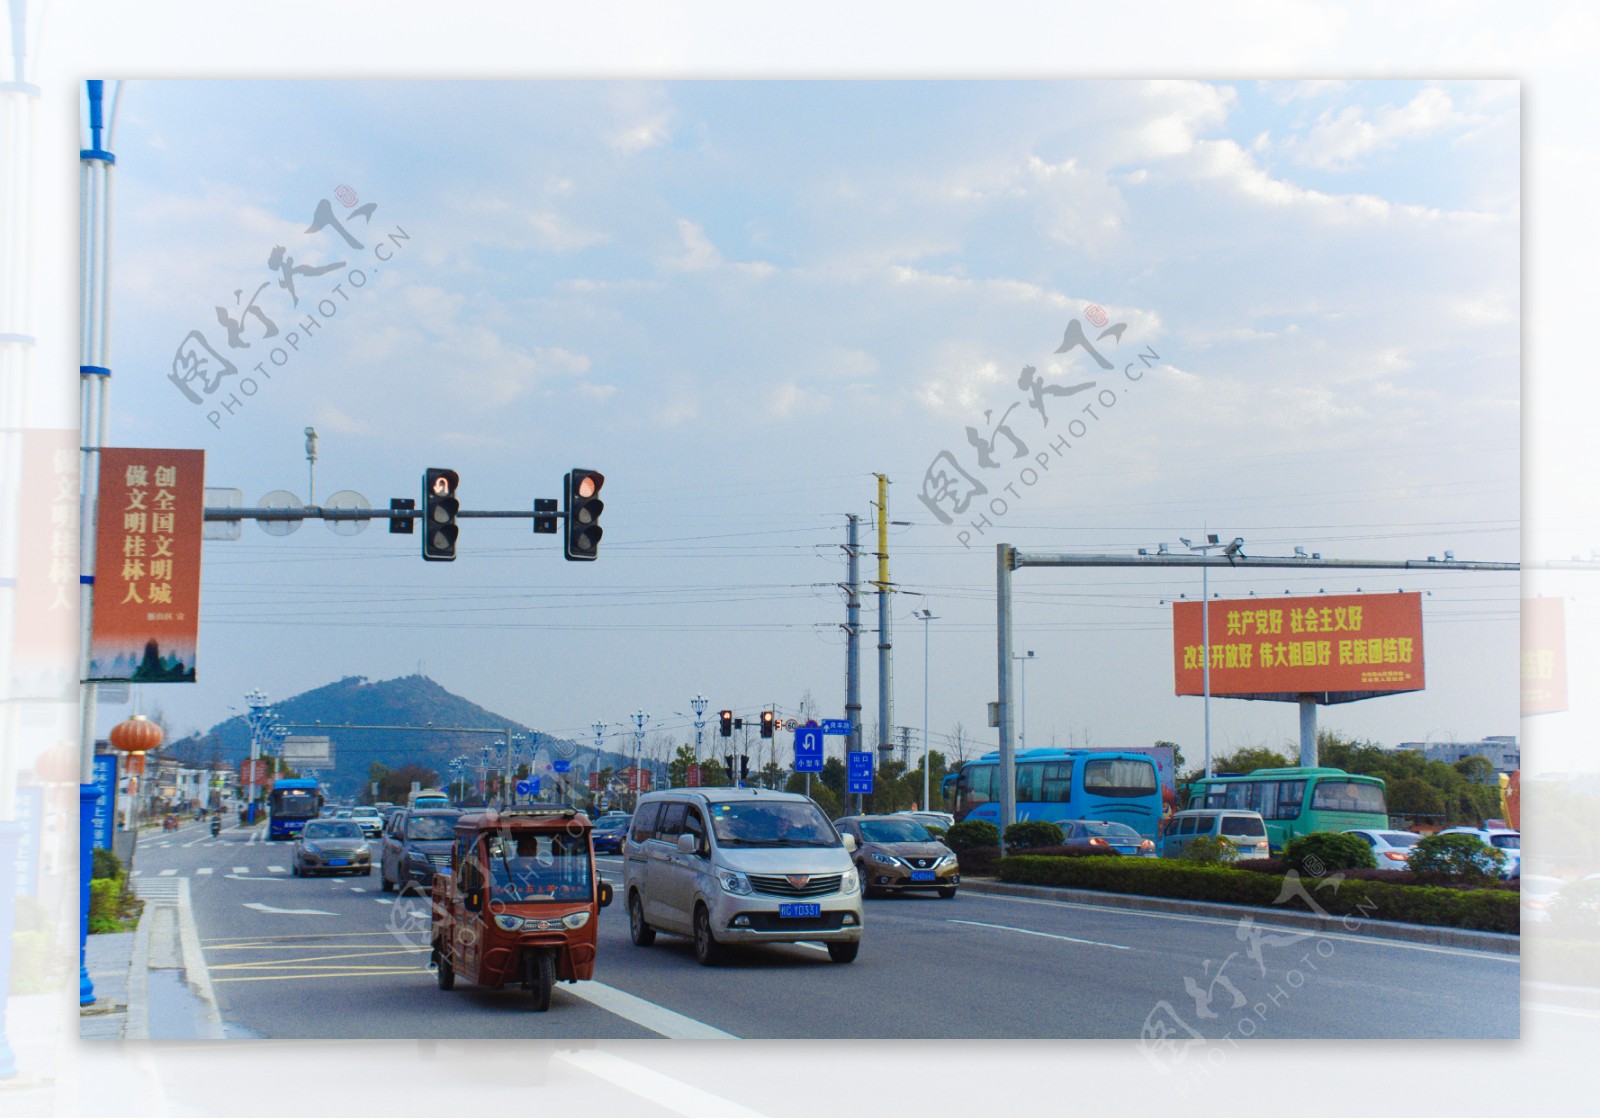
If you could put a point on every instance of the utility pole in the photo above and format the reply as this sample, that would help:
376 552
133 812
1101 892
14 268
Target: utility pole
852 630
885 663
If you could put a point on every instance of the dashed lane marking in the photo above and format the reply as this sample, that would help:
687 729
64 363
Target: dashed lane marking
1049 936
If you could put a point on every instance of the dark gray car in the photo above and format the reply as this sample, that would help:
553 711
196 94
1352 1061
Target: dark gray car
416 844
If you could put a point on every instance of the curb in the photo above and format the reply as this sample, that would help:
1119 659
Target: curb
136 1020
194 967
1499 943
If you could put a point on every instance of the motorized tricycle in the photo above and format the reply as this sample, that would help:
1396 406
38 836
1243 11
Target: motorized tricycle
520 903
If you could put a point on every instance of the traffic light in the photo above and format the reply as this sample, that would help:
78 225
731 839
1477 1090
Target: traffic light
725 724
766 724
439 509
744 767
401 525
582 490
728 758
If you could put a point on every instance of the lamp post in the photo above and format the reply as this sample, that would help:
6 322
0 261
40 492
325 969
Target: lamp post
640 718
259 716
1229 549
698 705
927 616
1022 699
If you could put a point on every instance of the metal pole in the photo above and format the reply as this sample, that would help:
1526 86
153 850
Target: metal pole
1205 653
852 683
885 660
927 616
1005 556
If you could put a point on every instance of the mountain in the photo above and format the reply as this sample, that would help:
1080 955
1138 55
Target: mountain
339 709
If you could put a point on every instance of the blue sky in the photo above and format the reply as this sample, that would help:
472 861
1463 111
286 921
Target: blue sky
741 299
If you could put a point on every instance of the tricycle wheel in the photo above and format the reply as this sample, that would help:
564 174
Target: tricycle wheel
541 969
447 974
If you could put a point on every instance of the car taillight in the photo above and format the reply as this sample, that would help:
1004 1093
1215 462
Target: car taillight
1098 841
1147 845
1395 855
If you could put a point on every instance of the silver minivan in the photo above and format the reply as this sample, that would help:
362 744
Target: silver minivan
1247 831
740 866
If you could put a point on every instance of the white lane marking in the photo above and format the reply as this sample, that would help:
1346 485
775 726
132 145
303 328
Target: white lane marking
641 1012
384 901
168 872
1051 936
253 878
241 870
1233 922
358 889
137 873
204 870
256 905
671 1095
276 870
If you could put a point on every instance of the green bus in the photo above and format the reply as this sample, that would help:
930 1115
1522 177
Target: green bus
1297 800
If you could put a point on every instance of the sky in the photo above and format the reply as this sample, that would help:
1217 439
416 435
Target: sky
1367 280
740 300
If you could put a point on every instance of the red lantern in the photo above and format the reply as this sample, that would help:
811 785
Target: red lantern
58 765
136 735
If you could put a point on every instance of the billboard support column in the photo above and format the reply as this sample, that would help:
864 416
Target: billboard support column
1005 556
1308 730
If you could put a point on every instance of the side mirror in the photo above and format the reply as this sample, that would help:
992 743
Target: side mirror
687 844
474 901
605 893
849 842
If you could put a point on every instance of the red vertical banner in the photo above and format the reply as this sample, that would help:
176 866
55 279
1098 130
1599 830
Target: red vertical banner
1544 656
47 628
149 521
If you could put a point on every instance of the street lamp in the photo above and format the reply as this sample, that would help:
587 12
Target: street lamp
640 718
1022 699
698 705
1230 549
927 616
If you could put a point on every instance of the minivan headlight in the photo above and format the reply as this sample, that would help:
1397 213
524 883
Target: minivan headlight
850 882
734 882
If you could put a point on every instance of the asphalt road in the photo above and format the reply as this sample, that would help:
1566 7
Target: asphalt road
337 958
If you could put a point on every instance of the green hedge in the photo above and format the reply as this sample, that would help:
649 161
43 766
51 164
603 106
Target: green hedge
1487 910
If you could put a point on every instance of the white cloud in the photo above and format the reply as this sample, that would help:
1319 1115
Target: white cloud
1339 141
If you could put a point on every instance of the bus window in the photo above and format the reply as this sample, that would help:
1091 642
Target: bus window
1055 782
1347 796
1285 801
1119 777
1028 782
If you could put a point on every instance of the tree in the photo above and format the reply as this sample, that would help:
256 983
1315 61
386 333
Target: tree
1249 758
678 767
959 745
395 785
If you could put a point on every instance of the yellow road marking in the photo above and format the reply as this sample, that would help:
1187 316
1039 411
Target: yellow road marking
313 959
226 940
322 975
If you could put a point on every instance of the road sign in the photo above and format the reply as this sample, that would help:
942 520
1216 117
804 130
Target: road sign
860 771
836 726
529 787
791 724
562 765
808 749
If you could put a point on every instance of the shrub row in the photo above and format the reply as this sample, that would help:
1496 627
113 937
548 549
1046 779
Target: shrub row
1487 910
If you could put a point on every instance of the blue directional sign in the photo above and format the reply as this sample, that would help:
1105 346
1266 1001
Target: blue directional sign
860 771
562 765
808 749
836 726
529 787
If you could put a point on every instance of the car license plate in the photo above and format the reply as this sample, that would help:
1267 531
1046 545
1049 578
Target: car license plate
338 862
922 876
800 909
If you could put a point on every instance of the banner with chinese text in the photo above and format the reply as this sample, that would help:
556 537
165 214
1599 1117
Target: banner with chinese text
1327 643
1544 656
149 520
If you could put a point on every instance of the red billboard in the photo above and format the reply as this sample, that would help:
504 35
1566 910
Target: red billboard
1336 647
1544 656
149 520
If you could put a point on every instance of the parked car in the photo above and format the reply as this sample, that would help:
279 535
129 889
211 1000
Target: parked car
415 844
740 866
1105 835
1246 831
609 832
1539 893
1504 840
941 820
897 853
370 819
330 847
1391 849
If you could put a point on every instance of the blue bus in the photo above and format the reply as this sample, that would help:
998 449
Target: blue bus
1063 785
292 802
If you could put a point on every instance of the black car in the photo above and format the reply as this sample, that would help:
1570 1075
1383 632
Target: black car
416 844
609 833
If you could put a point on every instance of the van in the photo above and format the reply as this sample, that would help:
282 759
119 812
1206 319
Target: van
740 866
1247 831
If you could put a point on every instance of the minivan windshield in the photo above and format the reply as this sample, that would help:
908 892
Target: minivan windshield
771 824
